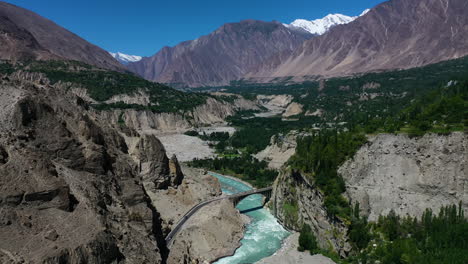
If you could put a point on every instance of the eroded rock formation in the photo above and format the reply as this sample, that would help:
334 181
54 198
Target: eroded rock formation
390 172
281 148
69 192
408 175
213 111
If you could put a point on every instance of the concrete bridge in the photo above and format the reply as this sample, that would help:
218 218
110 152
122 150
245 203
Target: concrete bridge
235 198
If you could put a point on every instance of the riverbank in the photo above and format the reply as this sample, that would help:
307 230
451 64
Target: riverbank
234 179
251 186
212 232
288 254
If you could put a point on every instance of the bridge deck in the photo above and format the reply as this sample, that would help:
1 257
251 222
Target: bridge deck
193 210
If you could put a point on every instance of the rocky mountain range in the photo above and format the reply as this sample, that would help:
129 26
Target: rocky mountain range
394 35
322 25
224 55
27 35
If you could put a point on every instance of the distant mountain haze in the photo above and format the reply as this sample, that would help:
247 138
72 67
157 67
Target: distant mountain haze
226 54
27 35
396 34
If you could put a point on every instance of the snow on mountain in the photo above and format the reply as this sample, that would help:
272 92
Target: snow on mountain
125 58
320 26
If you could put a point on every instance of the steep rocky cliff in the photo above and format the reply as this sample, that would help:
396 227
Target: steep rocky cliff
281 148
213 111
69 190
390 172
213 232
296 201
408 175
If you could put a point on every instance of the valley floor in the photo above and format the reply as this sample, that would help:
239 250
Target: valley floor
186 148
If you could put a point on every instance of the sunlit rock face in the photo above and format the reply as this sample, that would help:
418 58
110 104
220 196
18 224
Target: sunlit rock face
408 175
69 190
396 34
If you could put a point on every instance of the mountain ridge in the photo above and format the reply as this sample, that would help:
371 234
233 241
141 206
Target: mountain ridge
322 25
27 35
396 34
226 54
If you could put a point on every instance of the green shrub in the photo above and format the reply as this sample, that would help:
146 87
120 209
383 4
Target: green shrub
291 213
192 133
307 240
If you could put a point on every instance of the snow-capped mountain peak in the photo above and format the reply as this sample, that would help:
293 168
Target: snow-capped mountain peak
364 12
125 58
322 25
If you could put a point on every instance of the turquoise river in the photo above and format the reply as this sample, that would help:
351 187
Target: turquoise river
263 235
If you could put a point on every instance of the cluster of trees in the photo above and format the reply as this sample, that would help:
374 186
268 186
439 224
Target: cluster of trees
251 139
434 238
438 111
222 139
245 167
6 68
192 133
359 232
254 133
319 156
307 240
442 110
215 136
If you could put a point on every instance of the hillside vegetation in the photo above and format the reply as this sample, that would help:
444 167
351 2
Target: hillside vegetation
101 85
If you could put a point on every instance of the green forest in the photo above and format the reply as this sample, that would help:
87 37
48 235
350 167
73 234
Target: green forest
361 100
434 238
319 156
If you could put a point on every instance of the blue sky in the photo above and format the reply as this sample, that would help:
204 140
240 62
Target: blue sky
142 27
